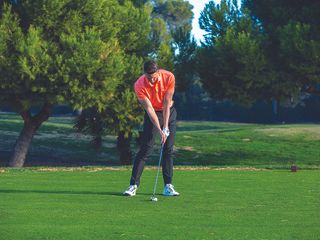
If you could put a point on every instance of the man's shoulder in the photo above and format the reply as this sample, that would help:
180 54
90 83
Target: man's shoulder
139 82
166 72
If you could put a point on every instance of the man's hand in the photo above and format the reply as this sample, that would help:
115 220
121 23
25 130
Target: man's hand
163 137
154 119
164 134
166 131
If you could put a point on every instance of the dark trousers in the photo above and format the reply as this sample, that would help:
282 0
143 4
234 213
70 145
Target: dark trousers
146 144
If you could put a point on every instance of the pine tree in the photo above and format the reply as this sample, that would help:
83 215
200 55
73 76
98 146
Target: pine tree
122 113
292 43
141 37
57 51
231 63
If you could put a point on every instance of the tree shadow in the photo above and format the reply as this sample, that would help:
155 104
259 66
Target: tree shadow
197 127
200 127
19 191
229 158
37 160
116 194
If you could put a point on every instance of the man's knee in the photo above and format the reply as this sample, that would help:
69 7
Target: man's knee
145 151
168 151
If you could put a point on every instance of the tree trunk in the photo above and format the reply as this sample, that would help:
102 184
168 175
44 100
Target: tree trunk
124 149
31 124
22 145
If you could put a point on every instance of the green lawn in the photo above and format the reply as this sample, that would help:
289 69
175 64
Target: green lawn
85 203
255 145
214 144
267 204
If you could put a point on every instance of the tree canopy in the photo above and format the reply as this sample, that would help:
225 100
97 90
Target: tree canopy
264 50
292 44
64 51
157 40
231 61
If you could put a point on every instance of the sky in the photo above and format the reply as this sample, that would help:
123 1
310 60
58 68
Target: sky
198 6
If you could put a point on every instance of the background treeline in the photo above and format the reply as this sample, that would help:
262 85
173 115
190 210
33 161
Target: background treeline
88 53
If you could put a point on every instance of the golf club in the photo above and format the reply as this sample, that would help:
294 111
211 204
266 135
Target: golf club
153 198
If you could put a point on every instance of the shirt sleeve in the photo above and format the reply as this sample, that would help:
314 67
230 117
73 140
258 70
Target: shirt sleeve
171 83
140 92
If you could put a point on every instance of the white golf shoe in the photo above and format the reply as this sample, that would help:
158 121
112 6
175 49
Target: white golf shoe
169 190
131 191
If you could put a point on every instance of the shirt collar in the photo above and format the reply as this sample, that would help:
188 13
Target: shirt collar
152 84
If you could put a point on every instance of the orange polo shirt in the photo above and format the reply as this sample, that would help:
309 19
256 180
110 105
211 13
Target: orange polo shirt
155 92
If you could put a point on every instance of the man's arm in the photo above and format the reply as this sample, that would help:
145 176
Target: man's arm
153 117
167 102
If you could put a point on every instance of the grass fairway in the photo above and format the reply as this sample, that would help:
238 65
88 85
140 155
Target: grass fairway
271 204
214 144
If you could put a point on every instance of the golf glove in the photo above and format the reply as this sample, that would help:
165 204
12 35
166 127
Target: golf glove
166 131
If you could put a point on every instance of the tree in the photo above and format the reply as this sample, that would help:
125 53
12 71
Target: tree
161 43
273 13
178 44
176 13
292 44
147 37
184 60
231 62
120 117
169 17
59 51
215 19
123 112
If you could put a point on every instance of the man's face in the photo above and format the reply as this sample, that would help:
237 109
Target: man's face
152 77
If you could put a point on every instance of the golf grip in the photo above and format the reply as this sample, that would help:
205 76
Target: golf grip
155 184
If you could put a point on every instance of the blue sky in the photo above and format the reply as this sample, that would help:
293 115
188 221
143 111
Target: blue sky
198 6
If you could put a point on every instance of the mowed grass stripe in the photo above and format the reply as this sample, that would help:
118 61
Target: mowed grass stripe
213 205
214 144
250 145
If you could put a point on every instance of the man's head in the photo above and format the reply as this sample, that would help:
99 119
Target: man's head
150 67
151 70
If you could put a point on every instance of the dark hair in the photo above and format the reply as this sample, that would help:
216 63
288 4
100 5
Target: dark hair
150 66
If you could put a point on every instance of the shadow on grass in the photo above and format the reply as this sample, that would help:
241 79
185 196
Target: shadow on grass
230 158
17 191
199 127
58 160
8 125
182 157
60 192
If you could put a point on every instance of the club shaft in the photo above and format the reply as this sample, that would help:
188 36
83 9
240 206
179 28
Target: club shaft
156 182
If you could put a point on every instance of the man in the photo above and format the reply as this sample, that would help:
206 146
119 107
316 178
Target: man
154 90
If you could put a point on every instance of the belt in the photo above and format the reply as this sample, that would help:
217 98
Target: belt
162 110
